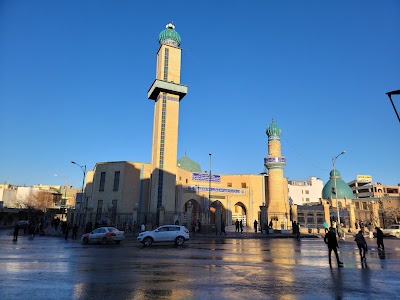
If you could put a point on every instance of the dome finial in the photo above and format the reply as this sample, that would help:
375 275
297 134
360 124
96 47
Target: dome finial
170 25
169 36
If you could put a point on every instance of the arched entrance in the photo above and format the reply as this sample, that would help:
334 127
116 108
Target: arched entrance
239 213
213 209
196 210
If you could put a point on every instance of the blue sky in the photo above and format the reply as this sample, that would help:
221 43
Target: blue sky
74 77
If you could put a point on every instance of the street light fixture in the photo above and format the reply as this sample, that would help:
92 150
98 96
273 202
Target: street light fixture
334 180
83 168
209 190
390 97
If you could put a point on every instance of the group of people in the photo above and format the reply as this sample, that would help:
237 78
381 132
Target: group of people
239 226
196 226
33 228
331 241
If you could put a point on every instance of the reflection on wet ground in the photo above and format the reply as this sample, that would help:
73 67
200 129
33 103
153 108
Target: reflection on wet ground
203 268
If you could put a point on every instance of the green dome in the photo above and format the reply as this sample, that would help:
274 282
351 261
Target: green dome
169 36
189 165
343 189
273 131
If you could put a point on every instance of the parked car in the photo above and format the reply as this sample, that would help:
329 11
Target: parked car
166 233
103 235
393 230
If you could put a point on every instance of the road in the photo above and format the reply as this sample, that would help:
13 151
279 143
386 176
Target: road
210 267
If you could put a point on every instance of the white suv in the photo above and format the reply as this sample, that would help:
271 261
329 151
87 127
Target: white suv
165 233
393 230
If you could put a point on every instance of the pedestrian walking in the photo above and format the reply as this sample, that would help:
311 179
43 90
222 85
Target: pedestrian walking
222 227
142 228
193 226
379 239
326 226
340 232
198 226
331 241
334 226
255 225
361 244
241 226
237 225
67 229
298 231
74 231
16 232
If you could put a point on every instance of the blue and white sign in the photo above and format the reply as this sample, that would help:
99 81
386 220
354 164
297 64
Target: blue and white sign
205 177
215 190
280 159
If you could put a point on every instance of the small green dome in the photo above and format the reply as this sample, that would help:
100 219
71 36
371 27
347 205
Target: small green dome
169 36
273 131
342 188
189 165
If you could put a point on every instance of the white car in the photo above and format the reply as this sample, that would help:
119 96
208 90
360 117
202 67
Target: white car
103 235
166 233
393 230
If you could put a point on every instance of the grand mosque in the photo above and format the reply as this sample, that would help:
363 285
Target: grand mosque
169 190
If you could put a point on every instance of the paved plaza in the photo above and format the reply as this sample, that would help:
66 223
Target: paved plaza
236 266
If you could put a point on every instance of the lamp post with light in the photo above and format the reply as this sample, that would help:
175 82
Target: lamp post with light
334 180
209 190
390 97
83 168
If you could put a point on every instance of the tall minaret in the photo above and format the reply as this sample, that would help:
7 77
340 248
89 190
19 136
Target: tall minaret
167 92
278 206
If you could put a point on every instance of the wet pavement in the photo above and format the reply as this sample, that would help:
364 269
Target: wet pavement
238 266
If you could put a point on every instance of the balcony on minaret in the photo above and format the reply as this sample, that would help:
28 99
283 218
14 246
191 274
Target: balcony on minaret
278 162
161 86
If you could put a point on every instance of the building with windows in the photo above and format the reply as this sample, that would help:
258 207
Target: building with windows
305 192
363 187
168 189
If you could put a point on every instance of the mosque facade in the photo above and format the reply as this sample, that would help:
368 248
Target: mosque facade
167 190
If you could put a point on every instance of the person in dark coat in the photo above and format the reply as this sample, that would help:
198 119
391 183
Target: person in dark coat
74 231
237 225
16 232
379 238
241 226
67 229
198 226
331 241
255 225
361 244
222 227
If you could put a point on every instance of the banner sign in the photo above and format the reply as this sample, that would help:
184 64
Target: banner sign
205 177
364 178
280 159
215 190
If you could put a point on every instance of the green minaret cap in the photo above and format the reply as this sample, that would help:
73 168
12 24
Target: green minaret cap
169 36
273 131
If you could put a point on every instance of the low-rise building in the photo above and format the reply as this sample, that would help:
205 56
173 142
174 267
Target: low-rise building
303 192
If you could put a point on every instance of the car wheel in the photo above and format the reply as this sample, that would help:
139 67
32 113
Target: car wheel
398 234
85 240
104 241
117 242
179 240
147 241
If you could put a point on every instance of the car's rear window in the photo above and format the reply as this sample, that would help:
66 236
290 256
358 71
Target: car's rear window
111 229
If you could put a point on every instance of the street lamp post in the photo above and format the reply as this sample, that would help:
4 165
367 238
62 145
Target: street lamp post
209 190
390 97
83 168
334 180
